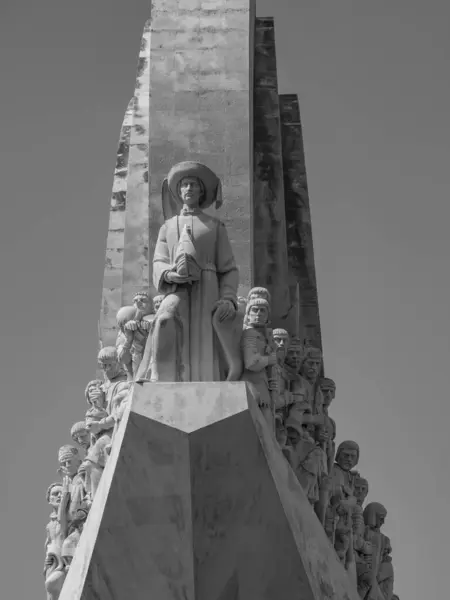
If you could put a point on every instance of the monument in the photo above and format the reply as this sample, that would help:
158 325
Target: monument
206 467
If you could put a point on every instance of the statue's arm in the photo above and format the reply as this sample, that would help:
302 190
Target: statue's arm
226 266
161 262
253 359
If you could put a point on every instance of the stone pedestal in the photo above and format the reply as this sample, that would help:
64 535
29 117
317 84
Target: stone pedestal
198 503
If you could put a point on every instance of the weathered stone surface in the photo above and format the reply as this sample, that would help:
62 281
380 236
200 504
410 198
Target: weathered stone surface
269 225
112 280
302 274
136 258
200 109
198 502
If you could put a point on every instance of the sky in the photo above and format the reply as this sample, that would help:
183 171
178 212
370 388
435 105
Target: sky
372 79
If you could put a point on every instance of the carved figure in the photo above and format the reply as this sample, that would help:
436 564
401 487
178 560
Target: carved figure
326 432
105 399
134 324
338 521
309 371
194 267
56 532
258 356
378 582
80 435
293 391
360 489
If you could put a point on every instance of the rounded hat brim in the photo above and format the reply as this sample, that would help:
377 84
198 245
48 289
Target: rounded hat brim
194 169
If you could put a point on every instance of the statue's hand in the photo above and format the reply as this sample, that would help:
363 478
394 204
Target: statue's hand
94 427
172 277
225 310
145 325
131 325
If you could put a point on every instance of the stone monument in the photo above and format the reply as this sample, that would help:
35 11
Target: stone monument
206 465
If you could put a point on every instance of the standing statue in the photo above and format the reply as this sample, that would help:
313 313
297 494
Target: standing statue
106 399
56 533
259 356
193 337
326 433
134 324
338 518
379 584
310 369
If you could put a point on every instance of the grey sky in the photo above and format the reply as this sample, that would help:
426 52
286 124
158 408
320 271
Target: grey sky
374 89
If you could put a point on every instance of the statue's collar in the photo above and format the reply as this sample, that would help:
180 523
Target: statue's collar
190 210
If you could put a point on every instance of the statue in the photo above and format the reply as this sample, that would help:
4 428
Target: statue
310 369
56 533
105 399
326 432
259 356
193 337
379 580
338 517
360 489
80 435
134 324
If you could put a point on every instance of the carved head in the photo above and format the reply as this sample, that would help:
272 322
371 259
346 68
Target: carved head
311 364
328 388
374 515
281 339
259 292
81 435
191 190
69 460
94 394
257 313
157 302
54 494
347 455
361 489
109 362
142 302
294 354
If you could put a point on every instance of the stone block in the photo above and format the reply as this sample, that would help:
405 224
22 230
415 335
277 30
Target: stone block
198 502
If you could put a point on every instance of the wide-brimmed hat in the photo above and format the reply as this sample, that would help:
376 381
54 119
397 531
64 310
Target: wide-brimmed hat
211 183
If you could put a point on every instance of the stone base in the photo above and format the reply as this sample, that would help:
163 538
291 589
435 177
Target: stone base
198 503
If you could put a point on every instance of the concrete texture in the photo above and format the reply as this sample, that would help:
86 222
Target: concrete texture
198 503
112 279
269 225
302 274
200 109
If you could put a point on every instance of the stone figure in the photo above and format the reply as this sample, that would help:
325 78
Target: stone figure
326 432
134 324
307 459
193 337
73 471
338 519
294 393
259 356
106 401
378 583
80 435
310 369
360 489
56 532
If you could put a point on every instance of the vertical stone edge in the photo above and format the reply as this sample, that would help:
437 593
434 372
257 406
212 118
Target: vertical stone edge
112 278
302 274
136 252
270 247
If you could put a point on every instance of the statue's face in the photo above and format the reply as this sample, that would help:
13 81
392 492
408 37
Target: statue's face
258 316
157 302
381 517
190 191
96 396
311 368
347 458
69 466
294 357
82 438
142 303
328 394
282 343
55 496
110 367
361 490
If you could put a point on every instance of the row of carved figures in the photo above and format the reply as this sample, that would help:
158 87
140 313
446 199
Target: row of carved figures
198 329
